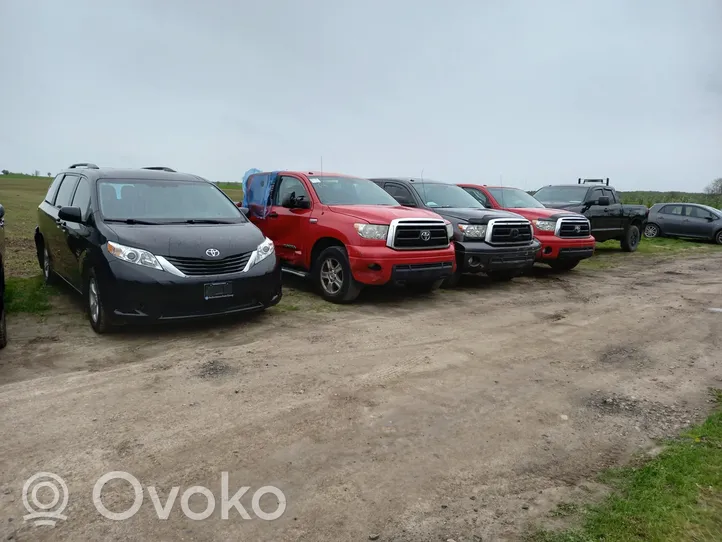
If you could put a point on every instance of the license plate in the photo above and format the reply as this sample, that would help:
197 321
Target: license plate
214 290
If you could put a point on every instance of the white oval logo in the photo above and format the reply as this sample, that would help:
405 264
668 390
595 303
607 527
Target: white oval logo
213 252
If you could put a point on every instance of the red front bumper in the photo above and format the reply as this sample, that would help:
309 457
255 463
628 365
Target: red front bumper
379 265
554 248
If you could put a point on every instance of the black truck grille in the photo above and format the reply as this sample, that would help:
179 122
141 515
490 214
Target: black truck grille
200 266
510 232
573 227
420 235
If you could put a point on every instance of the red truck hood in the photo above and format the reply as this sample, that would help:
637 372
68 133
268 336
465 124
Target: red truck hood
381 214
535 213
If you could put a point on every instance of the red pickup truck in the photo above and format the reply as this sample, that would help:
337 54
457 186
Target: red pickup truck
345 232
565 236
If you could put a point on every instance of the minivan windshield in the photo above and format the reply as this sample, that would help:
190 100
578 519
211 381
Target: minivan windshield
160 201
437 195
349 191
561 194
514 198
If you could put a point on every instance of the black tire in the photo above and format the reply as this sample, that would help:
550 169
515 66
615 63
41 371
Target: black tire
718 237
97 311
504 276
631 238
48 274
332 276
563 265
425 287
651 231
3 329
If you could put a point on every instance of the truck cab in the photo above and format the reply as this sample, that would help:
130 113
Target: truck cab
499 244
345 232
600 203
565 236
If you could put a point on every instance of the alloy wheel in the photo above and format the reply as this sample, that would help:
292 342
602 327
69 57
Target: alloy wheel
93 300
331 276
46 263
651 230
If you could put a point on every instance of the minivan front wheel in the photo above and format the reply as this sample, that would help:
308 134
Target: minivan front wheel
97 313
48 273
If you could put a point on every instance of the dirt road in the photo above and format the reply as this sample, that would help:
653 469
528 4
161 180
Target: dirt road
466 414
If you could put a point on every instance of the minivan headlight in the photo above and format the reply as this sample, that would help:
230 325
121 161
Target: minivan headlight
263 251
372 231
137 256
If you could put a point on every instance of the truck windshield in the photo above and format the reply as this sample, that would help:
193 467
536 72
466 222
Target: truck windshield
147 200
349 191
561 194
445 196
513 198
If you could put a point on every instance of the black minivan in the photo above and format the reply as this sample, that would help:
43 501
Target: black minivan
153 244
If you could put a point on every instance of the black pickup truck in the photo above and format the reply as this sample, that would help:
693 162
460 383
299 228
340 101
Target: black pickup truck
599 202
497 243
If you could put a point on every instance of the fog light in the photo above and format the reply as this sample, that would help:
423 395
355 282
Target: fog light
473 261
547 250
374 267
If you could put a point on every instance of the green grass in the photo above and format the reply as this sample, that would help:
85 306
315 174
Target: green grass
27 294
676 497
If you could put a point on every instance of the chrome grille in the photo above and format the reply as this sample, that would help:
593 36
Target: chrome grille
573 227
201 266
503 231
417 234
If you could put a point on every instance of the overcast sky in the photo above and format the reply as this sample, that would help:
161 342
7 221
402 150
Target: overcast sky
535 91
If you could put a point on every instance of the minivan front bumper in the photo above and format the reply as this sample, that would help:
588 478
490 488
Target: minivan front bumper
135 293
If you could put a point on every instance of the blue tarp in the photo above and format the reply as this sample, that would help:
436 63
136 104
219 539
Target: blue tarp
257 188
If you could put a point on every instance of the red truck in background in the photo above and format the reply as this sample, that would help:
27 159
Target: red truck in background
565 236
345 232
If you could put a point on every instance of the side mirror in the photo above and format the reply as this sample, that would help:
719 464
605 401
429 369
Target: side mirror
290 201
603 201
406 202
244 210
2 212
70 214
709 218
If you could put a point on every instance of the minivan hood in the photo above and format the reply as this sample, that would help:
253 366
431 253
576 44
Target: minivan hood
381 214
189 240
475 216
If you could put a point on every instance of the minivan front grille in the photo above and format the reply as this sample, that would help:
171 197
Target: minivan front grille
509 232
573 227
418 234
202 266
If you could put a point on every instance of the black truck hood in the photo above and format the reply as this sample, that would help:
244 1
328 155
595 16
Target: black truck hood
189 240
473 216
561 205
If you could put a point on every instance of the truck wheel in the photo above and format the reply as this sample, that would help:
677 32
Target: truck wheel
97 312
332 276
630 241
425 287
503 276
3 329
563 265
651 231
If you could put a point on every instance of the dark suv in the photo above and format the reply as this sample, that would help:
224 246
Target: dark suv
3 323
498 243
153 244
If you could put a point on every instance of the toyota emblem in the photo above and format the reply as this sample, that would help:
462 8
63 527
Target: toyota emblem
425 235
213 252
577 229
514 233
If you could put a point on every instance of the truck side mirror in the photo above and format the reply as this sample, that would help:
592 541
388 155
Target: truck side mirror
290 201
603 201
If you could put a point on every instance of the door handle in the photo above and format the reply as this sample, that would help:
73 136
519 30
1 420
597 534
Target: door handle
272 214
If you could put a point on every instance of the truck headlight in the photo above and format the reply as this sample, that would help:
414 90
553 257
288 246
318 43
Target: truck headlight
137 256
473 231
372 231
263 251
545 225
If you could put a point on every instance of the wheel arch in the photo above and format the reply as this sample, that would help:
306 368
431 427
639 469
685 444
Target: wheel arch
322 244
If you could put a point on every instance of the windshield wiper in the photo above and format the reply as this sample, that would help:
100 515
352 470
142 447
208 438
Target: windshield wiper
202 221
132 221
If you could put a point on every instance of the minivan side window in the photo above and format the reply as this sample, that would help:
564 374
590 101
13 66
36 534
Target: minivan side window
81 198
53 190
65 193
